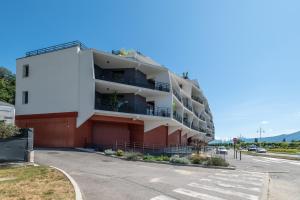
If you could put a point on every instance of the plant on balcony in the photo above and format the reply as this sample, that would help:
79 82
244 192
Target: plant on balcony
185 75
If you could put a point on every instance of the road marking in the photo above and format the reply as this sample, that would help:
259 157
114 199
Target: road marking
237 181
223 191
226 185
155 180
162 197
183 172
239 176
197 195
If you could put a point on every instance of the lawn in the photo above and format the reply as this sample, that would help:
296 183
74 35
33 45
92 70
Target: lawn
34 182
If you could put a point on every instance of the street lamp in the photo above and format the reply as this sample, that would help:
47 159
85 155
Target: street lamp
260 131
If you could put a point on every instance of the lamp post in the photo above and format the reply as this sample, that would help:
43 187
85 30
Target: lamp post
260 131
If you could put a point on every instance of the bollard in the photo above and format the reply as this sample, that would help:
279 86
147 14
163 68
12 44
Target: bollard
240 155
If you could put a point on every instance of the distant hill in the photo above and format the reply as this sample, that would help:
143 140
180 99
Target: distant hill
277 138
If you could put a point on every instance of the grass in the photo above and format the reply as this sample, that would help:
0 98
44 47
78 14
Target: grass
285 151
270 156
35 183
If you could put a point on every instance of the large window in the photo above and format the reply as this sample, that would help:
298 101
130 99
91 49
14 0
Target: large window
25 97
25 71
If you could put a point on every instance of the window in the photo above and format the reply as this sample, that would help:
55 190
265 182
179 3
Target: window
25 71
118 75
25 97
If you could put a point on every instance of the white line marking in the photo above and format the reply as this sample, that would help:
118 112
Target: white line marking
226 185
239 176
162 197
197 195
223 191
237 180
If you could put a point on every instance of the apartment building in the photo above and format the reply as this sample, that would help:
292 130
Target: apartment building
74 96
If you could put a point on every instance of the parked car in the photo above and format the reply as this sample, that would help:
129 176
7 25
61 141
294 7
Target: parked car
261 150
252 148
222 150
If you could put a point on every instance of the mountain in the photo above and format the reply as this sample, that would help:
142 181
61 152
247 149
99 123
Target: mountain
277 138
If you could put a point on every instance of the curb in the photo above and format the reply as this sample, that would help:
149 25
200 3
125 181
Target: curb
78 195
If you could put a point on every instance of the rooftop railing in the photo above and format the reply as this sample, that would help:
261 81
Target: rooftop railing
56 48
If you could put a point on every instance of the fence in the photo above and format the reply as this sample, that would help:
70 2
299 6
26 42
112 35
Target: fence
155 149
17 148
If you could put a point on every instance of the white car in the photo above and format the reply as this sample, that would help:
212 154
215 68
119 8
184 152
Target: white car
222 150
261 150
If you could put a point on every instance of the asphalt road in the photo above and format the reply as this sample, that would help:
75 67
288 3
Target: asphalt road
101 177
284 174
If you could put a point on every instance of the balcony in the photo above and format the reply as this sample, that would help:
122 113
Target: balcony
186 104
130 77
198 99
177 117
194 127
158 111
177 95
186 122
124 107
202 118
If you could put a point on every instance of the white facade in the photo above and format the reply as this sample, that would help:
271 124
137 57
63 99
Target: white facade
7 113
68 79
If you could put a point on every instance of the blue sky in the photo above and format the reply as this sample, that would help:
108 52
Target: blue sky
245 54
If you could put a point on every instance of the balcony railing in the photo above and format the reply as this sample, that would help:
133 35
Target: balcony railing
125 108
165 87
198 99
195 127
177 95
177 117
187 105
56 48
186 122
159 111
202 118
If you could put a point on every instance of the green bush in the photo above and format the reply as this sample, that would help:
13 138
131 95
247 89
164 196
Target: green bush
8 130
120 153
148 158
109 152
198 159
217 161
133 156
178 160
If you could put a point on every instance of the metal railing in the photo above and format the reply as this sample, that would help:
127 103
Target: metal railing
177 117
187 105
187 123
177 95
165 87
153 149
56 48
198 99
159 111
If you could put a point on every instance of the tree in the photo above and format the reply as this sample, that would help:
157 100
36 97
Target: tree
256 140
284 140
7 85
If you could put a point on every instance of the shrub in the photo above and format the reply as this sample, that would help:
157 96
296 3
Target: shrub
120 153
198 158
132 156
8 130
109 152
178 160
217 161
148 158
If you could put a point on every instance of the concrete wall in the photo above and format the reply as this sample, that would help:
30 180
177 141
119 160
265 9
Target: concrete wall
52 83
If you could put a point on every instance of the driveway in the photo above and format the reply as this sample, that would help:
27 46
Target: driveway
101 177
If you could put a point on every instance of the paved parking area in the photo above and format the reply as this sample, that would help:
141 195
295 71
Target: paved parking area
101 177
